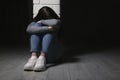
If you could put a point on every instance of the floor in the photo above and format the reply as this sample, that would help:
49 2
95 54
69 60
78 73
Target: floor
90 64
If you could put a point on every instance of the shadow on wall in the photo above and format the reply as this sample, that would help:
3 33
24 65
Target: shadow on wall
90 24
89 27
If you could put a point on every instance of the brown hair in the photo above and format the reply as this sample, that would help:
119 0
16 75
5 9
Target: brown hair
45 13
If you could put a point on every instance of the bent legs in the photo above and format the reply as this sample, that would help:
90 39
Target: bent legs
45 40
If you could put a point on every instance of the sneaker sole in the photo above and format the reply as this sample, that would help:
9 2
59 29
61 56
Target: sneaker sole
28 69
40 70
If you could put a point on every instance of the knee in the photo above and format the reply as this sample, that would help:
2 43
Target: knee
48 34
34 36
38 24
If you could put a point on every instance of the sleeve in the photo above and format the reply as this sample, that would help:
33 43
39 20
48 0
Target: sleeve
32 28
55 23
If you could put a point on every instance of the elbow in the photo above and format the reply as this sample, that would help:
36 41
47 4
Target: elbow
28 30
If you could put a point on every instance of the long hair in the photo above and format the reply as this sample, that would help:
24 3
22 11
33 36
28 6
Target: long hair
48 13
45 13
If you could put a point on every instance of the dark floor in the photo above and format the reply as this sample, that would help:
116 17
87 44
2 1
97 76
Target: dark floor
87 64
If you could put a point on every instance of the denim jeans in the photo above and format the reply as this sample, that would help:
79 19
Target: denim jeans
43 40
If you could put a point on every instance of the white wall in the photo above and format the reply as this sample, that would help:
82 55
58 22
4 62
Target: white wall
54 4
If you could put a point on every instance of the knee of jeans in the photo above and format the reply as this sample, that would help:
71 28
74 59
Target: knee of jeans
33 35
37 24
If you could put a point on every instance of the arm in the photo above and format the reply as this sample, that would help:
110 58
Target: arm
55 23
32 28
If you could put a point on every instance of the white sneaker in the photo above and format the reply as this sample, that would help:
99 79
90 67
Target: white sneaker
40 64
30 64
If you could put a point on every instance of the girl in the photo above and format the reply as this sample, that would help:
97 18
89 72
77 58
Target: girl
43 28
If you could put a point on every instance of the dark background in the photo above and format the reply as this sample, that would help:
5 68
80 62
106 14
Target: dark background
91 23
84 23
14 18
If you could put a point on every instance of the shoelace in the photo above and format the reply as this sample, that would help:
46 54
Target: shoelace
31 60
40 61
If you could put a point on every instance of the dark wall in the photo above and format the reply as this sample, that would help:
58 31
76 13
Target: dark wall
90 23
83 23
14 17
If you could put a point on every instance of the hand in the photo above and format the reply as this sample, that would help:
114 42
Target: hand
39 22
50 28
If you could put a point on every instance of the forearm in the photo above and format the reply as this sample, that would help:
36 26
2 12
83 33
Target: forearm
34 29
55 23
49 26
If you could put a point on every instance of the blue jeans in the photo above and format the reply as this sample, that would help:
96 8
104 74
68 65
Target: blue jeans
42 40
